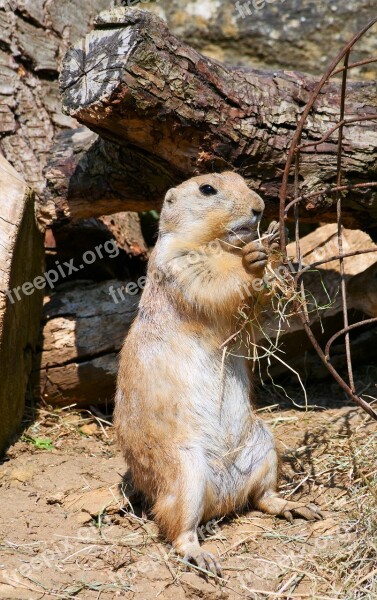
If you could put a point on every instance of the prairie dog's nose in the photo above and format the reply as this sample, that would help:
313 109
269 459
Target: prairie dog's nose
256 215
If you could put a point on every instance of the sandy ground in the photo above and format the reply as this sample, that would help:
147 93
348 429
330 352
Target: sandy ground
67 532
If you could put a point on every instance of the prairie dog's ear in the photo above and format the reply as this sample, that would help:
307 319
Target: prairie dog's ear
170 197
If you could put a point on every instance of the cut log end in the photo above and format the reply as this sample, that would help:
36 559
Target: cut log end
95 68
92 69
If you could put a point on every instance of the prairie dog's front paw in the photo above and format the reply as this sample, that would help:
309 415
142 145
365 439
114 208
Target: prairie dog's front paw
272 241
254 258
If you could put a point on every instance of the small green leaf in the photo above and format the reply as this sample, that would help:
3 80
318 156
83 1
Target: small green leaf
40 443
43 444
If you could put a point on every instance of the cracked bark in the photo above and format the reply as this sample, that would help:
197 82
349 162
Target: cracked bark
33 41
87 175
148 94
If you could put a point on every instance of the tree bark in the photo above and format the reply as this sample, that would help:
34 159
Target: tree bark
83 332
137 86
34 36
21 260
33 40
88 176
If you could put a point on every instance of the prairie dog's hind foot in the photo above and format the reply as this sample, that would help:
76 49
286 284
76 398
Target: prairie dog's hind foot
205 561
274 505
188 546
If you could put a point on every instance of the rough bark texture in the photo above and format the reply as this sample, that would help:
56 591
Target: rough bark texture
21 260
33 40
87 175
34 35
83 333
126 230
288 34
136 85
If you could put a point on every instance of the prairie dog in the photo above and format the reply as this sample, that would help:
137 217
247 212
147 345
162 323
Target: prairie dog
183 414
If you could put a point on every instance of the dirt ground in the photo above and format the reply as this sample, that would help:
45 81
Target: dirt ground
67 531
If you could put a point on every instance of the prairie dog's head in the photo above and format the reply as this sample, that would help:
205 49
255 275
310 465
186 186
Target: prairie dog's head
209 207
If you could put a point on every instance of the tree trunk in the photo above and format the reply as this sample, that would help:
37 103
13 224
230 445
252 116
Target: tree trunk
34 36
21 260
89 177
140 88
33 40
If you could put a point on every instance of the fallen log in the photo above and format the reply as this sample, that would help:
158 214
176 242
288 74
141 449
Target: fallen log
34 35
87 175
143 90
21 260
84 328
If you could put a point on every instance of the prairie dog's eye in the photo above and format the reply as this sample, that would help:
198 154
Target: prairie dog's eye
207 190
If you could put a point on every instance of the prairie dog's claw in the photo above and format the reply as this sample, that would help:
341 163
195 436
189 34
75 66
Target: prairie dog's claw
272 242
310 512
273 228
205 561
